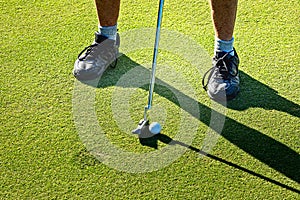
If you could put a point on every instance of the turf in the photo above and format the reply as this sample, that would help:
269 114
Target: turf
43 156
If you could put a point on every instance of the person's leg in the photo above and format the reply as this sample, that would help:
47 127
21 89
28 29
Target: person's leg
94 59
108 12
223 15
223 81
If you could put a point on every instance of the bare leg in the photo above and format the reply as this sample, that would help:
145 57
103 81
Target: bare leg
108 11
223 16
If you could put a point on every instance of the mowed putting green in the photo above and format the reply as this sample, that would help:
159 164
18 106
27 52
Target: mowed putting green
56 144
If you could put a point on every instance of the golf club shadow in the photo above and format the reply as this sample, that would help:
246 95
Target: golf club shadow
153 143
264 148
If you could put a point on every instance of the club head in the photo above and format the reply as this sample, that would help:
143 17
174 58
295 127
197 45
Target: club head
141 124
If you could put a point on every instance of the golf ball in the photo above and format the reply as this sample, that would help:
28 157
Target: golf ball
155 128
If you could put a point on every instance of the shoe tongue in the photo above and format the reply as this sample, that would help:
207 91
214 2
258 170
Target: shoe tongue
100 38
220 54
222 68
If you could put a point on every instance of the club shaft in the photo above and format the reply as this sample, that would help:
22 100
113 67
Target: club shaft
155 53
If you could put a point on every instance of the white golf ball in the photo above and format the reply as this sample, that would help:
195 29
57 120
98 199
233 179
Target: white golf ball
155 128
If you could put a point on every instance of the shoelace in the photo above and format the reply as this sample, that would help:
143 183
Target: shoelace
221 66
107 54
87 51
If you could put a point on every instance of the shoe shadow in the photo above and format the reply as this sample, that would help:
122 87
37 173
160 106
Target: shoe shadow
255 94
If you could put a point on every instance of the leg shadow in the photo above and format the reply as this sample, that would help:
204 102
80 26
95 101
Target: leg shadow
152 142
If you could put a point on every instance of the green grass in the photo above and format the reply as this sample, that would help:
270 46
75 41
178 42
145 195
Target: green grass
43 157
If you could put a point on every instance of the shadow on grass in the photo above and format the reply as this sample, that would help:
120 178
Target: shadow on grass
254 94
152 142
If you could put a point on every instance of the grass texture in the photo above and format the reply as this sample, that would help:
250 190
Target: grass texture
43 157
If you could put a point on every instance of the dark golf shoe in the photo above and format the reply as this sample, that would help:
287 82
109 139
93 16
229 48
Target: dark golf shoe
96 58
223 80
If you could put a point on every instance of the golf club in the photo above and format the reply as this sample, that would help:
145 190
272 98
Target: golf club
144 121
